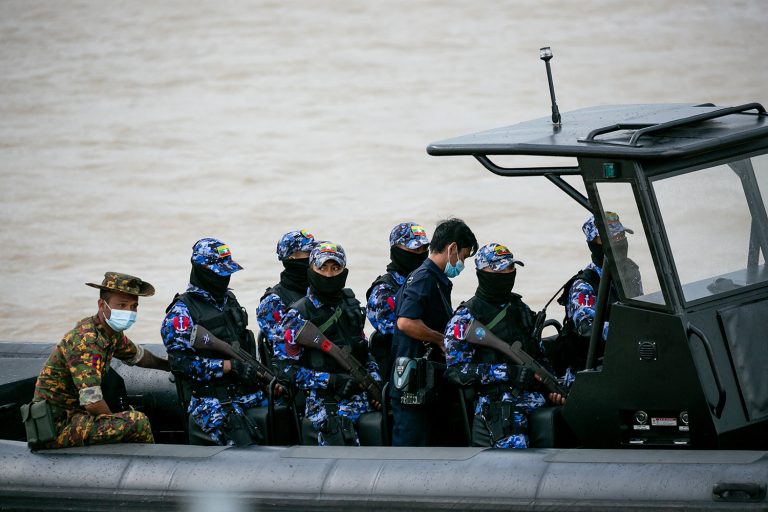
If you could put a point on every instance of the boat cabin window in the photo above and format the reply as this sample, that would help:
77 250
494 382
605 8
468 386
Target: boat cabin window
715 221
629 243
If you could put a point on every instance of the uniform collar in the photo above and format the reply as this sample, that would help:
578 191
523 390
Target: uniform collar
594 267
430 265
313 299
398 277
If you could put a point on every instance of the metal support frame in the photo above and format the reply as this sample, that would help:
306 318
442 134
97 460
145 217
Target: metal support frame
553 174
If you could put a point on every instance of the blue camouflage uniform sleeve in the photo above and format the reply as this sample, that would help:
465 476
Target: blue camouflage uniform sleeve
381 308
581 306
288 352
175 331
269 315
459 353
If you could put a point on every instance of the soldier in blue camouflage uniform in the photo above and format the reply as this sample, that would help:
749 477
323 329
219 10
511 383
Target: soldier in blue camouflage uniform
506 393
293 252
219 392
408 248
581 296
334 400
72 376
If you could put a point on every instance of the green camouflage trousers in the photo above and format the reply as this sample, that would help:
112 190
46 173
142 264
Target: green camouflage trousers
82 429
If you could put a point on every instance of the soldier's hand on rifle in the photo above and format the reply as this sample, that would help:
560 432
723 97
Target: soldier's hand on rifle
557 398
245 372
521 376
343 385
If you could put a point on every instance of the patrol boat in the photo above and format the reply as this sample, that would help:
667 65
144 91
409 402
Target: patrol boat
674 415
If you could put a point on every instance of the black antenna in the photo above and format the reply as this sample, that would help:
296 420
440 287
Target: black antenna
545 54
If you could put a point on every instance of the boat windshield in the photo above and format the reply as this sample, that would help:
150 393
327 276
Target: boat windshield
629 243
714 218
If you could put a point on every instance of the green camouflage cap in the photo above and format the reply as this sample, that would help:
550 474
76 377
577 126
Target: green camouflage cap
117 282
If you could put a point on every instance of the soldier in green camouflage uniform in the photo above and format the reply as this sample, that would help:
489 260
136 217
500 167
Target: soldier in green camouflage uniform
71 379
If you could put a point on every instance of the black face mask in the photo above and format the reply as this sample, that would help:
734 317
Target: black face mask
495 287
327 289
597 253
294 276
404 262
209 281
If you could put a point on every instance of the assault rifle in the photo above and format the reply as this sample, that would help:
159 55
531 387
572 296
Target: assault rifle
310 336
479 334
202 338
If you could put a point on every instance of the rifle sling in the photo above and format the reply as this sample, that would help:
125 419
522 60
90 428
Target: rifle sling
498 318
332 320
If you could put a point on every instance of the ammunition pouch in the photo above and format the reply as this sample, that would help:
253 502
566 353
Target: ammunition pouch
496 421
221 393
40 422
339 431
416 378
496 390
241 429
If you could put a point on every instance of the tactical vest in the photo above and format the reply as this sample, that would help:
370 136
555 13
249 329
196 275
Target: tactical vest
345 331
382 279
229 324
380 343
515 325
287 295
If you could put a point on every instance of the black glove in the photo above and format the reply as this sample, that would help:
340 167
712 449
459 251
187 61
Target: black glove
343 385
521 376
245 372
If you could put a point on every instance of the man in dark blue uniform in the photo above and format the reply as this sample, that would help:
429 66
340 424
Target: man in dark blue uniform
423 308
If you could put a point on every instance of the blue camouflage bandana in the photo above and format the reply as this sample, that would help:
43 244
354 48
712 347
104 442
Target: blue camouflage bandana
324 251
497 257
294 241
408 234
215 256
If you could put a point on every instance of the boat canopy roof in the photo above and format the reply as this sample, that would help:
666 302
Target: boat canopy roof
619 131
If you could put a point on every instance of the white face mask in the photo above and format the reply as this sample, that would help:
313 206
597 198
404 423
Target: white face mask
120 319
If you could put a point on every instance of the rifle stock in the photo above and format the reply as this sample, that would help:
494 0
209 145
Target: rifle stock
311 337
202 338
479 334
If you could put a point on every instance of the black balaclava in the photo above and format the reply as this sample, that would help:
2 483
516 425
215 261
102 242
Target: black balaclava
208 280
495 287
404 262
327 289
597 253
294 277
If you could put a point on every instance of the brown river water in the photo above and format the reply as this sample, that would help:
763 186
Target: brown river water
128 130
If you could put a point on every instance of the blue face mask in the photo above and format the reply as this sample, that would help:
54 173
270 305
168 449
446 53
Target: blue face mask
119 319
454 270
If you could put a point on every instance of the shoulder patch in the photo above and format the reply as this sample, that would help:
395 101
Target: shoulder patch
181 323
